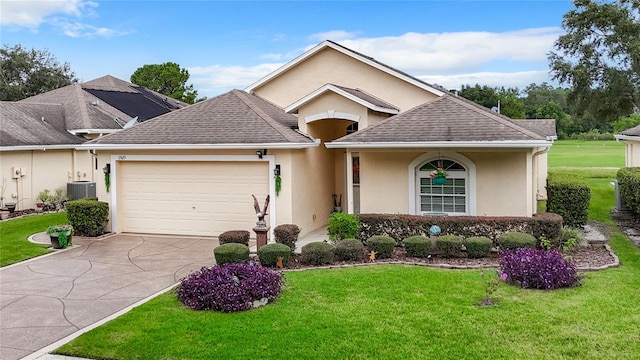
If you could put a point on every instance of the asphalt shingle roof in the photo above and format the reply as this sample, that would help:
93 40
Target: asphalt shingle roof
634 131
546 127
367 97
31 124
447 118
231 118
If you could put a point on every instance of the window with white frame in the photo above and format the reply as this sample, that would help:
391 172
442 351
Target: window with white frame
450 197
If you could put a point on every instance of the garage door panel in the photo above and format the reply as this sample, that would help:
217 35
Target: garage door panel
190 198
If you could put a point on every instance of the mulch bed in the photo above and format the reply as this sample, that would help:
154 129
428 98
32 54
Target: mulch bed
587 257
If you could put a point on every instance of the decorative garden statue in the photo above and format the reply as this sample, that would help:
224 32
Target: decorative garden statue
261 213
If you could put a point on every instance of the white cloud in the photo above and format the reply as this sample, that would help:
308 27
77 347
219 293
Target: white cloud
76 29
58 13
31 14
335 35
518 79
212 80
457 51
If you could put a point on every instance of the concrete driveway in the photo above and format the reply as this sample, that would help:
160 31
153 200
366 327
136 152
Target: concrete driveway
61 295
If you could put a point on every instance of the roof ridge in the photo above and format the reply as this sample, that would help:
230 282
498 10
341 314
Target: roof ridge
501 119
245 98
84 114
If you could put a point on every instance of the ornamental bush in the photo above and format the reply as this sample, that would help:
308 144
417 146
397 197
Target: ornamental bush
382 245
449 245
287 234
629 186
229 288
88 216
343 226
349 249
231 253
235 237
538 269
317 253
513 240
568 195
269 254
417 246
478 247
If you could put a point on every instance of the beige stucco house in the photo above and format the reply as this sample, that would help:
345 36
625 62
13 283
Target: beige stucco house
39 135
631 139
332 121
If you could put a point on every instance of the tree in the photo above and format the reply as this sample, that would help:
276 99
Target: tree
600 57
511 104
168 79
27 73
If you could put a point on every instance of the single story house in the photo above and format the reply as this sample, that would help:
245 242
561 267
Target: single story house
631 138
331 121
39 135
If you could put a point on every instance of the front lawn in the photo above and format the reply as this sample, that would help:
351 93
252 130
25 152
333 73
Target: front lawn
391 312
14 246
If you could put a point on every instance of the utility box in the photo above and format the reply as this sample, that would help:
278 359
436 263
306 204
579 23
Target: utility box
620 205
81 189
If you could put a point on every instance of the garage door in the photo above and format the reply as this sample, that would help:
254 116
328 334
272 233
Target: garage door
189 198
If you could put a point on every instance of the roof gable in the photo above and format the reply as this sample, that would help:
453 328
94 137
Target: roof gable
354 95
234 118
353 54
444 120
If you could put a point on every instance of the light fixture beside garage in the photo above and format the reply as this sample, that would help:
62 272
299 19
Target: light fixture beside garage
261 153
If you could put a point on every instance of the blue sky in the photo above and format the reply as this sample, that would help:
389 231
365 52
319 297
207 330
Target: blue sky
231 44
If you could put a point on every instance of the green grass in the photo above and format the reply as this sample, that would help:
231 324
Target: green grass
579 153
391 312
14 246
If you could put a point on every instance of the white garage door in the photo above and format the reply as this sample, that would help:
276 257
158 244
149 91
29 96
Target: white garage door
190 198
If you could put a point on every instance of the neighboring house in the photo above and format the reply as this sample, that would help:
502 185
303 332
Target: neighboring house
631 138
332 121
39 135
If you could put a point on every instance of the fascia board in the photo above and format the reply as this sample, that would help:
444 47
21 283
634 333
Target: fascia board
37 147
316 143
439 144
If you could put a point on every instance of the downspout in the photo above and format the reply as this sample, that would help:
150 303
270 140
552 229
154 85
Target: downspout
535 176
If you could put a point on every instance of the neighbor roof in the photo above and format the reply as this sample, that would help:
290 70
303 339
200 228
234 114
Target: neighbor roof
355 95
354 54
231 120
33 125
633 132
446 121
106 104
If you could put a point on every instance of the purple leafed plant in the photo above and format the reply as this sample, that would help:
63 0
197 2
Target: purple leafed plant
229 288
538 269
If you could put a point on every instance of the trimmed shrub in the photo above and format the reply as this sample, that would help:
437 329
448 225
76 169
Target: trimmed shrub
343 226
398 226
381 244
287 234
417 246
629 187
229 288
478 246
568 195
231 253
88 217
234 237
269 254
449 245
317 253
349 249
514 240
538 269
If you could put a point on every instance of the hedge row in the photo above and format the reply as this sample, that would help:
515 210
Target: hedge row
547 225
568 195
629 186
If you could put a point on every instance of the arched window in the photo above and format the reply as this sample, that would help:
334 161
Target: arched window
450 197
